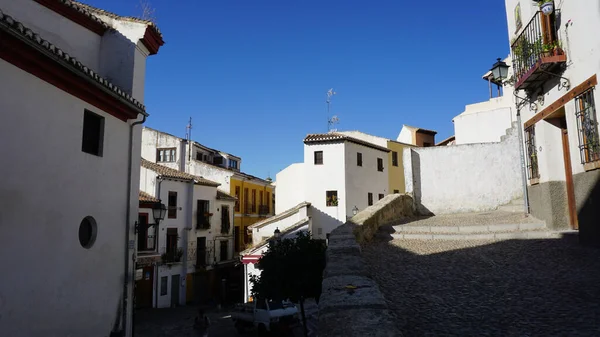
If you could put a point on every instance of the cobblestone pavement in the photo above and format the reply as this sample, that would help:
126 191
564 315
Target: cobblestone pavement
179 322
481 288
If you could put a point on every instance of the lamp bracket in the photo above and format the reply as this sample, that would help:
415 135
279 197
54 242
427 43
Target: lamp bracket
564 83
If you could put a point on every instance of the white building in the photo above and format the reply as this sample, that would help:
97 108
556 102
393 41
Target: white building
339 173
71 148
487 122
195 237
554 73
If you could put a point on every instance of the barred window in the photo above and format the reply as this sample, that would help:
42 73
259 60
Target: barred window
532 159
587 126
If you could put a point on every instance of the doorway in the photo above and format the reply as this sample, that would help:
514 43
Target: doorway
143 288
559 120
174 290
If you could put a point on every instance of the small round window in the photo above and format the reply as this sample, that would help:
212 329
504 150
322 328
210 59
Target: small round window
87 232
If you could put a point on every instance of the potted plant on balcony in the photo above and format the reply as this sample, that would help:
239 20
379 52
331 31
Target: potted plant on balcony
546 6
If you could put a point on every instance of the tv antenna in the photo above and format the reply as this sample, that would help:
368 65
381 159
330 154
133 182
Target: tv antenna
188 137
331 121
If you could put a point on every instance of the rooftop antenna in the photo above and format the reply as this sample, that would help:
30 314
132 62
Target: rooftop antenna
188 137
331 121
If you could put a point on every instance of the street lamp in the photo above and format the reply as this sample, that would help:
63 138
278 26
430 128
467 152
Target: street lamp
355 210
159 210
499 71
277 233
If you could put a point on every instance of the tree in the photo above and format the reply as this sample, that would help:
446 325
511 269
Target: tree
291 269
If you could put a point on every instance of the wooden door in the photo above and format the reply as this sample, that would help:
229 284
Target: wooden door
143 288
572 208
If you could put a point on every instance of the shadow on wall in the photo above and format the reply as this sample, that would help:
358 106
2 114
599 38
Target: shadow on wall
322 220
417 194
589 227
509 288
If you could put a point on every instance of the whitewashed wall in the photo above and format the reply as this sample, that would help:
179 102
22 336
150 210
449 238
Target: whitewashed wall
405 136
50 174
485 122
153 140
360 180
464 178
380 141
330 176
266 231
211 172
583 53
291 187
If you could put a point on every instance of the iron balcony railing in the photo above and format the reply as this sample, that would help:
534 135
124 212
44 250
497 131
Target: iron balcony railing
539 38
263 210
249 208
174 255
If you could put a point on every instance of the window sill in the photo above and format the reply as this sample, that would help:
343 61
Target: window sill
591 165
534 181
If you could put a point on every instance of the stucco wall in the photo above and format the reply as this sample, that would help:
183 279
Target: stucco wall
360 180
463 178
406 136
266 231
396 173
484 126
50 186
291 187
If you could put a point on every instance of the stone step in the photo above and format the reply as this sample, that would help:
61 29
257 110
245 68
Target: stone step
479 236
467 229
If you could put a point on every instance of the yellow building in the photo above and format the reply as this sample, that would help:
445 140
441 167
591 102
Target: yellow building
255 202
396 166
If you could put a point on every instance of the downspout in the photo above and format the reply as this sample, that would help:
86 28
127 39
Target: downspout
128 273
185 242
522 157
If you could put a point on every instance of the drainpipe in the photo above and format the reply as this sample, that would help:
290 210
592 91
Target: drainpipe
128 272
522 156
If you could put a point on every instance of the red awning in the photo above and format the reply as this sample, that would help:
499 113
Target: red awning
246 259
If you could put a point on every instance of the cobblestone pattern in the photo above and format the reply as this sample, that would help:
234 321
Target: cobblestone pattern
489 288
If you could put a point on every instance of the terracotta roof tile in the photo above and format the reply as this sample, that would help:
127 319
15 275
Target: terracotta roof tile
224 196
93 10
168 172
145 197
332 136
10 24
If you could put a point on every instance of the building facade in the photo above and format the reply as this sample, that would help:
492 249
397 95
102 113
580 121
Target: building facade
340 175
254 195
72 139
554 75
194 242
487 122
416 136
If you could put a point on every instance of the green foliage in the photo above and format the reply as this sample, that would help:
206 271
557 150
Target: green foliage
291 269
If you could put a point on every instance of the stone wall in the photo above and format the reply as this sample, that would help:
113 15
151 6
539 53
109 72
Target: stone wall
351 304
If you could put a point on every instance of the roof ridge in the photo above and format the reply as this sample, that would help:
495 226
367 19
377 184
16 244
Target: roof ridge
95 10
19 28
173 173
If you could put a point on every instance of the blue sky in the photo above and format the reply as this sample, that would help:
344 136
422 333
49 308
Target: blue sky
253 74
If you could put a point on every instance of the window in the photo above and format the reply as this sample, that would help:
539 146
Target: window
199 156
203 214
223 250
331 198
246 203
396 191
381 196
93 133
379 164
165 155
171 240
233 164
267 195
253 205
394 158
318 157
587 125
260 198
172 205
225 220
88 230
358 159
370 199
532 162
163 285
237 195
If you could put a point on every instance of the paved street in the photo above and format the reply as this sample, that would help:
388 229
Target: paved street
178 322
476 288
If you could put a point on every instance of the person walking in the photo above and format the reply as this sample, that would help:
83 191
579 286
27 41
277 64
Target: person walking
201 323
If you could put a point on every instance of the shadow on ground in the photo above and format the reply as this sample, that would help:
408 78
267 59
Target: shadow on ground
480 288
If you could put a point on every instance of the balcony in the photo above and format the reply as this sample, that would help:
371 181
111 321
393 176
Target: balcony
171 256
249 208
536 53
146 244
263 210
203 220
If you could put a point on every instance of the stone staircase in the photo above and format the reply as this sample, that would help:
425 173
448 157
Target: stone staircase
502 224
510 132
